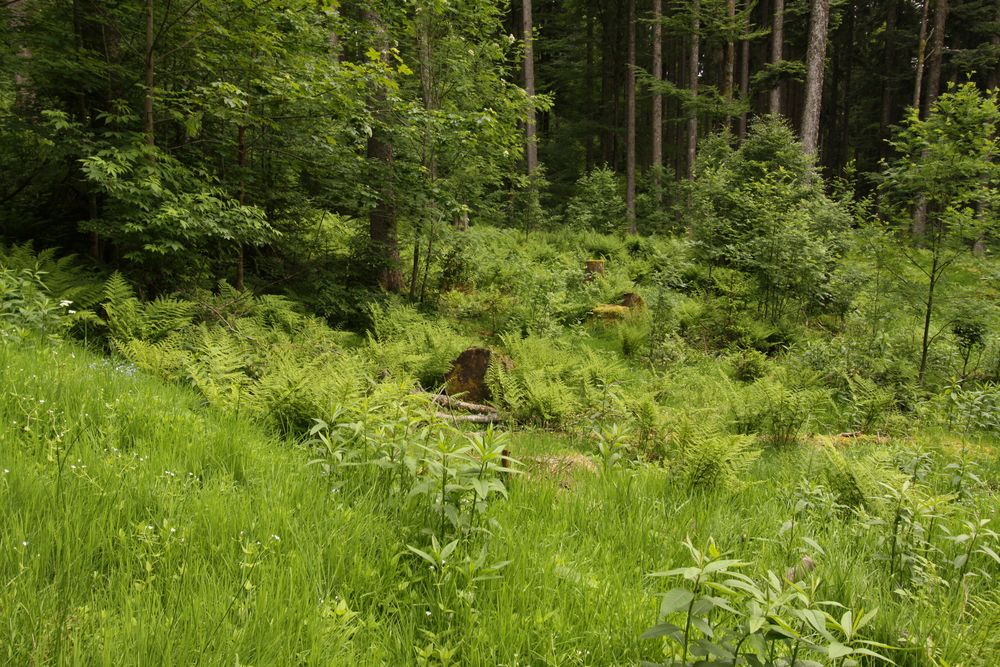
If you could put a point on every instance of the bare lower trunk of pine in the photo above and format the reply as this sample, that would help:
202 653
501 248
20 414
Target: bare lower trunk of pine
148 120
777 39
694 62
919 228
657 120
921 55
888 66
815 59
382 218
937 55
242 162
729 67
531 149
588 77
741 129
630 123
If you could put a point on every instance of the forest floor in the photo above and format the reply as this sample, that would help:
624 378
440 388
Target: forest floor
148 521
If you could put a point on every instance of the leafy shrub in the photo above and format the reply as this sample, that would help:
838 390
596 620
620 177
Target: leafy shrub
970 334
598 203
762 210
749 365
720 615
25 305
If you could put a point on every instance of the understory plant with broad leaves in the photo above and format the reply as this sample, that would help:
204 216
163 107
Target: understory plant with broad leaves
441 480
720 616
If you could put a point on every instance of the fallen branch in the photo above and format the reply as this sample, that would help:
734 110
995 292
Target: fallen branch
455 404
493 418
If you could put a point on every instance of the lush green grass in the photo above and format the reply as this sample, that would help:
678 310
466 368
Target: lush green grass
139 527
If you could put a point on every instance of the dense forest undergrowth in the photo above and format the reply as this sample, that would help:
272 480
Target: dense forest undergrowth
339 333
289 498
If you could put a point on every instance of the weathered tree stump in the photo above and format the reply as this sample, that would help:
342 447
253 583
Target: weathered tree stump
594 268
633 301
467 376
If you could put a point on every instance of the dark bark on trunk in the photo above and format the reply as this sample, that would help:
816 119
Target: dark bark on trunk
630 122
930 97
589 84
937 55
148 120
242 162
531 151
693 68
382 218
888 81
741 128
657 116
921 55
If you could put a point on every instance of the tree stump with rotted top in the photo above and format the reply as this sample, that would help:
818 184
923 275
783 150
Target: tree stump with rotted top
594 268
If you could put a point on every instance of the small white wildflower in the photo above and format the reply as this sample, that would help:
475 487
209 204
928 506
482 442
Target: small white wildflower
428 612
6 471
65 303
71 312
275 538
24 543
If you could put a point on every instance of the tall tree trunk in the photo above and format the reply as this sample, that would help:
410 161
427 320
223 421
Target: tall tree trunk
241 159
382 218
937 55
657 119
930 97
729 67
815 58
994 82
921 55
741 128
694 62
531 149
777 44
425 49
630 122
148 120
589 85
888 82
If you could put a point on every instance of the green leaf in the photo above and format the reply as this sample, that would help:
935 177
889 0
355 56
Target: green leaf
838 650
663 630
675 600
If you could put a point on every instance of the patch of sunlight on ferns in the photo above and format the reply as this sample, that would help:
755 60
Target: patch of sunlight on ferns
128 318
710 460
217 367
870 405
403 342
857 482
